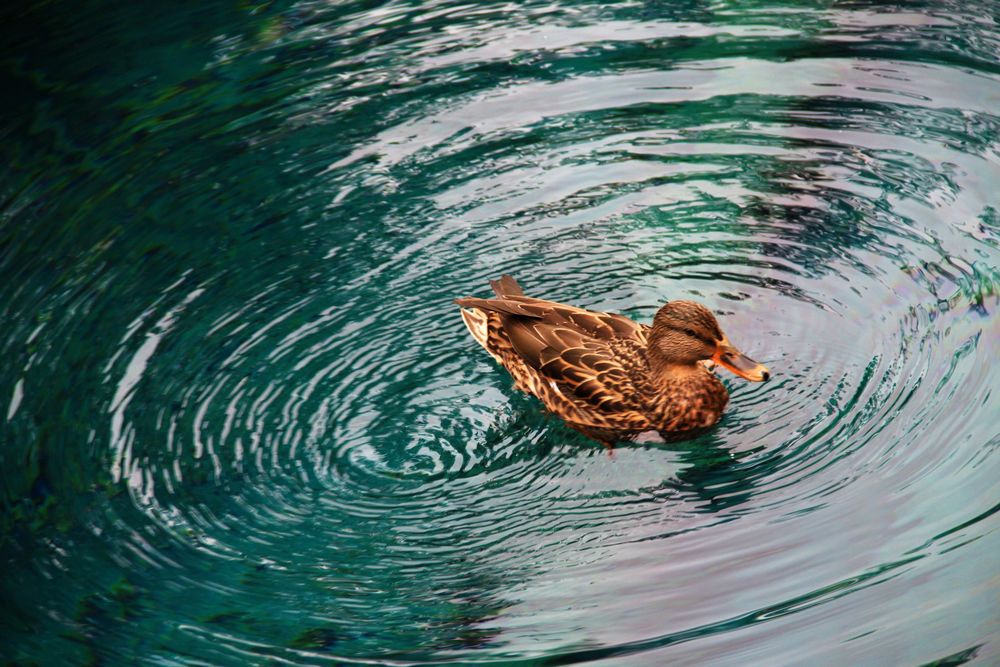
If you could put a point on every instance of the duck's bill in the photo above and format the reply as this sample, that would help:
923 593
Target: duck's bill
739 363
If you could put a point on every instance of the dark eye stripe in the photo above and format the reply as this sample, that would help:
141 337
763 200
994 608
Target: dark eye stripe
695 334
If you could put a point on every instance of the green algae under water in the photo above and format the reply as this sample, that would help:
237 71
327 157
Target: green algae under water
241 421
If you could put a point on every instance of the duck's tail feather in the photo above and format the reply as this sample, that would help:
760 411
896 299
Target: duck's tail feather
477 313
506 286
477 322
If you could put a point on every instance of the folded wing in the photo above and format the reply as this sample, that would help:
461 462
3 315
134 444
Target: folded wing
580 358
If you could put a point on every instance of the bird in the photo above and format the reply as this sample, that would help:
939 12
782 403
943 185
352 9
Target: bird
605 375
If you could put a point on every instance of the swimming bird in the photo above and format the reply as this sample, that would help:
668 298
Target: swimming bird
605 375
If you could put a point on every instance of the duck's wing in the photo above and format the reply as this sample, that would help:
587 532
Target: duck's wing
595 323
580 356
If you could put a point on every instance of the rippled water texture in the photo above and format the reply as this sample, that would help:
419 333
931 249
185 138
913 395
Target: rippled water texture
241 421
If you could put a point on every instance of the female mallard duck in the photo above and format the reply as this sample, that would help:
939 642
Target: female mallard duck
605 375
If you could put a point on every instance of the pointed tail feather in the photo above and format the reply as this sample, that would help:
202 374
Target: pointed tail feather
506 286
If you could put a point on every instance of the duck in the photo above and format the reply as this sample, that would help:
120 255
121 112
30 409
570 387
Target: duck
605 375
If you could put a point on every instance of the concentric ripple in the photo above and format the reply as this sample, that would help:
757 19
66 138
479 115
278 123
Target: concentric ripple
245 425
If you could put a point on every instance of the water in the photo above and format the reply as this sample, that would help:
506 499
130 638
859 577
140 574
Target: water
242 422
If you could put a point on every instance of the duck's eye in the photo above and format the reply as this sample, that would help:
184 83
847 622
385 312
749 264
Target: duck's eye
690 332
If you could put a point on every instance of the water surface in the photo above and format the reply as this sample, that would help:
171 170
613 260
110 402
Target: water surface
242 423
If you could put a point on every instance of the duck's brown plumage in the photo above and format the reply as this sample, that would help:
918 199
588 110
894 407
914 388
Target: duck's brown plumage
604 374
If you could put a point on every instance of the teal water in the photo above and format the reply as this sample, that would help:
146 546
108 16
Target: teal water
242 423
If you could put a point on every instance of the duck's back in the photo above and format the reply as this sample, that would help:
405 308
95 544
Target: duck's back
586 366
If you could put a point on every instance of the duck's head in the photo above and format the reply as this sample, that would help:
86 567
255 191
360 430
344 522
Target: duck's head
685 332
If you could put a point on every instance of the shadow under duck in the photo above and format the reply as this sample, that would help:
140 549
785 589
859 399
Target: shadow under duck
605 375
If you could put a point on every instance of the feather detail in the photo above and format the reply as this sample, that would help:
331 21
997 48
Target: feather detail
509 306
506 286
475 321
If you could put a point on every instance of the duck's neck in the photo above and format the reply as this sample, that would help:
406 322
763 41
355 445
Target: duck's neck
669 373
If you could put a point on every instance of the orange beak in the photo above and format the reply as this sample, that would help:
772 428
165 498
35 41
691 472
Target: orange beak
728 356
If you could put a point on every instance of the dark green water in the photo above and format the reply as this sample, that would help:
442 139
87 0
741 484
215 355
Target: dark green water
241 421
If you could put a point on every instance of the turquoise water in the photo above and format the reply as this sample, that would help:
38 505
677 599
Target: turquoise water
241 421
